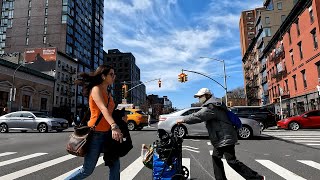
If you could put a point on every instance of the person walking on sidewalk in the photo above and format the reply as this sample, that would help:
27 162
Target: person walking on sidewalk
222 134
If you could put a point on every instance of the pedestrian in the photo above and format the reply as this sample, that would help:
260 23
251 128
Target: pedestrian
95 85
222 134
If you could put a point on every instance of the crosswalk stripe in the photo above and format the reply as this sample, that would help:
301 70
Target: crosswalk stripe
286 174
63 176
310 163
190 147
3 163
132 170
230 173
35 168
311 138
313 144
7 153
186 163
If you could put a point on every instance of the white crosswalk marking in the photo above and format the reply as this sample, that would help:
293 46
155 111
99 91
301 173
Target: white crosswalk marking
35 168
310 163
132 170
63 176
230 173
7 153
186 163
3 163
286 174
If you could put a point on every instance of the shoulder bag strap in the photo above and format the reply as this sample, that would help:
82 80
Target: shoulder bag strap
100 115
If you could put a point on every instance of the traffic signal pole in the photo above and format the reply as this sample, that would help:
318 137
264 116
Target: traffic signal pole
224 87
159 81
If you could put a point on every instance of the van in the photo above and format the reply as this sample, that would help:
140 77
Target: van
136 119
259 113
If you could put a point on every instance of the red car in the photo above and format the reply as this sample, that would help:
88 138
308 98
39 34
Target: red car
310 119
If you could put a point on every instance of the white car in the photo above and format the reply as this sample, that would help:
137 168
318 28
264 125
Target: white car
167 122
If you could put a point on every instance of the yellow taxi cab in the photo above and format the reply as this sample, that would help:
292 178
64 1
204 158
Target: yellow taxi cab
136 119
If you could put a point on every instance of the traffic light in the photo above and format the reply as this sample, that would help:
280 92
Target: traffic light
182 77
124 91
159 83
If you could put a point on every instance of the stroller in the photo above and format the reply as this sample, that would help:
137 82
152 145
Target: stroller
167 158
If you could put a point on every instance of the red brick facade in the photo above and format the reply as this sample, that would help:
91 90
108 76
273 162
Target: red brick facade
293 64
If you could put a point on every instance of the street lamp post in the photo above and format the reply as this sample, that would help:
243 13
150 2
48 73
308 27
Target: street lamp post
12 92
224 75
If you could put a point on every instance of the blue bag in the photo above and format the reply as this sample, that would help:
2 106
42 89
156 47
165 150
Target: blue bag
161 170
236 122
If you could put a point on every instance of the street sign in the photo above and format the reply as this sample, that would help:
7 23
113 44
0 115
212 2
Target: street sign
12 97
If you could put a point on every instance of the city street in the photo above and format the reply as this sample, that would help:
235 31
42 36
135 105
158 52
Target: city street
42 156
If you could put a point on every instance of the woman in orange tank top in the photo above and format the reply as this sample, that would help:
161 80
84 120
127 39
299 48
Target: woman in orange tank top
95 85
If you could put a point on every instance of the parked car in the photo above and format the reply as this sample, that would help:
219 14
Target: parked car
31 120
310 119
167 122
265 117
136 119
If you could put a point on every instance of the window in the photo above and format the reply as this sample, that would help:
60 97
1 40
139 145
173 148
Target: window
45 20
279 5
289 35
291 55
26 101
311 14
27 41
304 78
300 50
44 39
46 11
58 87
295 82
28 22
315 40
29 4
43 104
28 31
283 17
267 20
64 19
298 28
57 100
267 31
318 68
29 13
47 3
286 85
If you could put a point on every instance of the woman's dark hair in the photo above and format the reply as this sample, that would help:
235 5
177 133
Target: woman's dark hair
89 80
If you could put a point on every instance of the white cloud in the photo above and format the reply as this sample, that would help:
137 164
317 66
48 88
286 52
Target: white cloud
164 40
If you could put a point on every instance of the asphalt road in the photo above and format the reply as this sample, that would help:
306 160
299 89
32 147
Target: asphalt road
36 156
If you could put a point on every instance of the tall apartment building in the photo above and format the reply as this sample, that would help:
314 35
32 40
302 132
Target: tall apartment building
73 27
268 20
293 60
247 29
126 72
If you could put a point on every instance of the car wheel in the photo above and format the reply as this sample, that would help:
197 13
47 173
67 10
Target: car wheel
4 128
245 132
180 131
294 126
131 125
43 127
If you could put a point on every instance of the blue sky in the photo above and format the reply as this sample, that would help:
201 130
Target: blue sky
166 36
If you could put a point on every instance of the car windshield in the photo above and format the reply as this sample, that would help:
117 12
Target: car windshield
140 112
41 115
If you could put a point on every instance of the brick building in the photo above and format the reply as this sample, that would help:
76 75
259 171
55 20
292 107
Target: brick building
293 61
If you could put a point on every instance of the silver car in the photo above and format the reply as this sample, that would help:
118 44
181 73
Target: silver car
30 120
167 122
